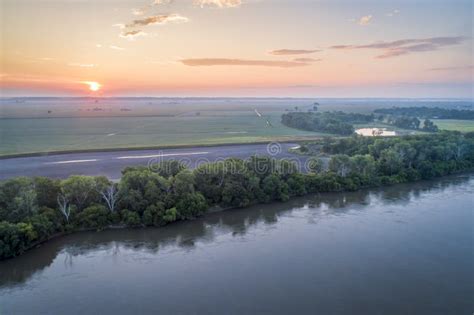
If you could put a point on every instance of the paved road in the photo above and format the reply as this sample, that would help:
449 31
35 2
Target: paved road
111 163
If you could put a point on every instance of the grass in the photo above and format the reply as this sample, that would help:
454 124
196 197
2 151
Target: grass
48 125
68 134
453 124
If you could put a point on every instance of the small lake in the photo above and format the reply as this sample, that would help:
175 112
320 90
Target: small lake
372 132
405 249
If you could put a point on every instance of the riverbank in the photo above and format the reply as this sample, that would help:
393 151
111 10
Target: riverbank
33 209
357 252
217 209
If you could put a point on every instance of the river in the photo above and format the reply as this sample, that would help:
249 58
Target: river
405 249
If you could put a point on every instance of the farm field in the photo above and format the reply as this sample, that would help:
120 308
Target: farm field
59 134
32 125
454 124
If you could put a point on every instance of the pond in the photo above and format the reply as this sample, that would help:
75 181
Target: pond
372 132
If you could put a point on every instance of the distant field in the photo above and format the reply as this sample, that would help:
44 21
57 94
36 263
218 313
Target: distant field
43 135
61 124
453 124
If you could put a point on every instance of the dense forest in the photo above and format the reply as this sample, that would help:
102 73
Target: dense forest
330 122
33 210
428 112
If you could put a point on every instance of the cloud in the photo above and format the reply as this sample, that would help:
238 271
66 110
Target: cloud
119 25
82 65
219 3
139 12
197 62
457 68
158 19
132 35
407 46
306 60
116 47
365 20
112 46
282 52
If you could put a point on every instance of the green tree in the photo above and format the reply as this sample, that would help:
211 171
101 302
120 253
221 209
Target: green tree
140 188
79 190
168 168
274 188
95 216
341 164
191 205
314 165
18 199
47 190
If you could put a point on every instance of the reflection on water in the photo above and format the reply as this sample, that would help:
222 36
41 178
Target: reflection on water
268 225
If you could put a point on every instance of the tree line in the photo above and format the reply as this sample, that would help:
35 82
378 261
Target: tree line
33 210
408 122
342 123
336 122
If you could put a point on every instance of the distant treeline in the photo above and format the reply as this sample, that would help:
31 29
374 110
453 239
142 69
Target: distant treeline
33 210
329 122
428 112
408 122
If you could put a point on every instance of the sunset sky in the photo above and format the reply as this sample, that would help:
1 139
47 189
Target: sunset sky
237 48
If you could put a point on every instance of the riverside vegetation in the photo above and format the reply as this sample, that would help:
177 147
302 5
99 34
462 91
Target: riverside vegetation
341 123
32 210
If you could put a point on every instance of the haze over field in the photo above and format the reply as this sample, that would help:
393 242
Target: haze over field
237 47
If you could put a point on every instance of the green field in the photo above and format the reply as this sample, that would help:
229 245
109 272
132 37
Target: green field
67 124
60 134
453 124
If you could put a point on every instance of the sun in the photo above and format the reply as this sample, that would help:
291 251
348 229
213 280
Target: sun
93 86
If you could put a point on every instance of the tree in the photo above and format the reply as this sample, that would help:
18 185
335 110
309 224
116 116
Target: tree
167 168
130 218
296 184
64 206
183 182
235 195
110 194
274 188
363 165
95 216
79 190
17 199
429 126
15 238
191 206
157 215
314 165
390 162
47 189
340 164
140 188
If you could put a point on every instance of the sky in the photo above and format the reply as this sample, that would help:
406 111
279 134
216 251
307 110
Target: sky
277 48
